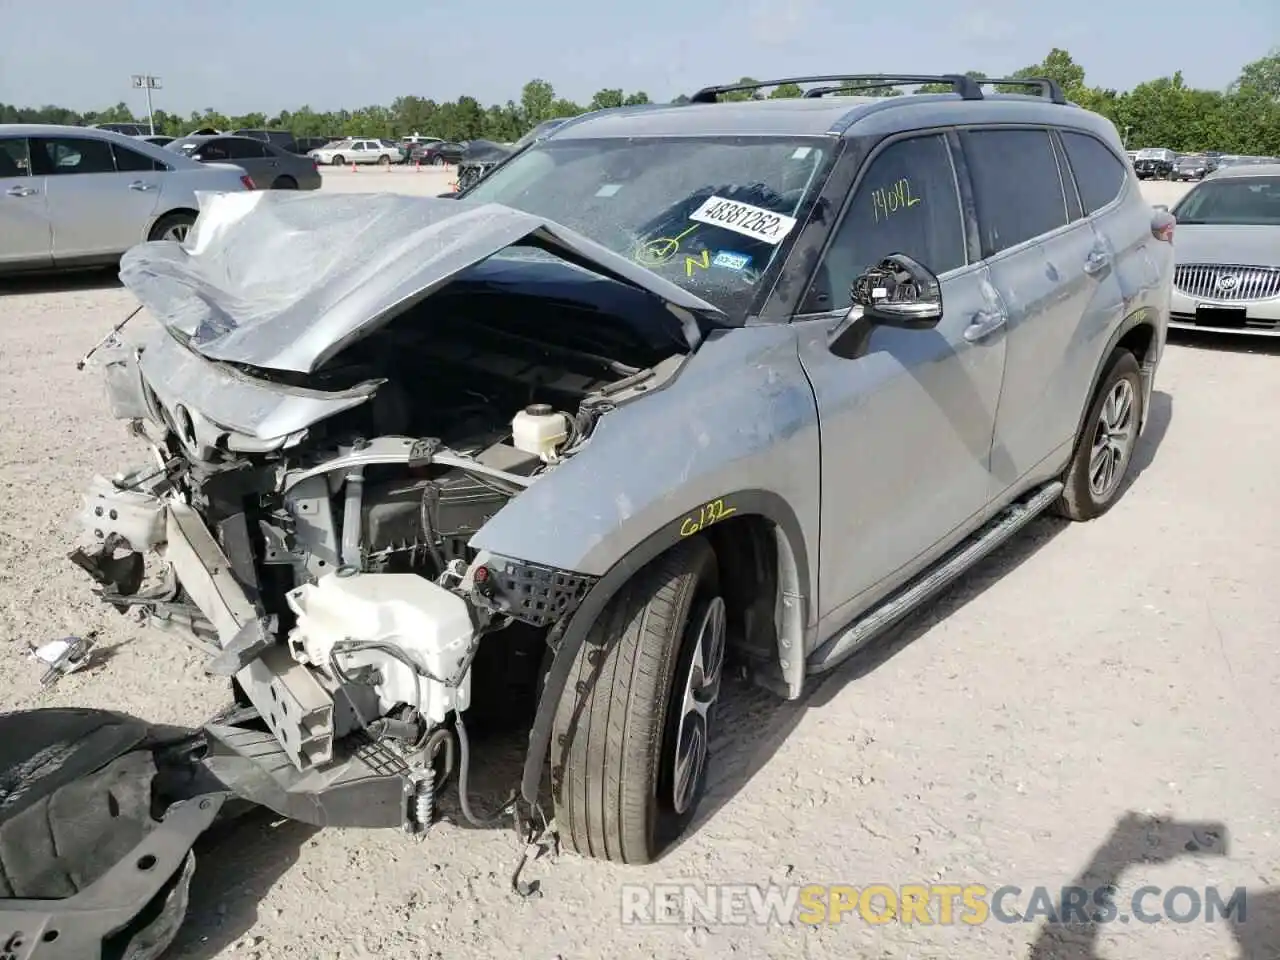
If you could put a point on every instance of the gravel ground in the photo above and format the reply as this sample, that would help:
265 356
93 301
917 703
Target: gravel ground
1023 731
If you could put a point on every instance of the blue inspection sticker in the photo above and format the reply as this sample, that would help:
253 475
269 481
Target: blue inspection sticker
731 261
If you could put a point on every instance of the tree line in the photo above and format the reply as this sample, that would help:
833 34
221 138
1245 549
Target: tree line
1164 112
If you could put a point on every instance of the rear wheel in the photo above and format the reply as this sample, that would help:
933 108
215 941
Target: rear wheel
384 161
172 226
632 729
1105 448
285 183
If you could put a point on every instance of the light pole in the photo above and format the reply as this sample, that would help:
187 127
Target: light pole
144 82
1124 141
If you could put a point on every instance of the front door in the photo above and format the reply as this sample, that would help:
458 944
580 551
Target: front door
906 422
96 211
24 218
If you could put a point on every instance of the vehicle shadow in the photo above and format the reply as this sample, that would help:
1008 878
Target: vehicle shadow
1224 342
1072 930
237 863
105 278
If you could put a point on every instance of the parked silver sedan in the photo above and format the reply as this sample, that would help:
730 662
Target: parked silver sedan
1227 276
358 150
77 196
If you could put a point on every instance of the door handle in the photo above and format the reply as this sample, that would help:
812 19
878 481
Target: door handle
142 186
1096 262
21 191
983 324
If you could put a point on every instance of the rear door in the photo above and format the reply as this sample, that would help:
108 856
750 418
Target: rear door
95 210
1048 268
254 157
25 232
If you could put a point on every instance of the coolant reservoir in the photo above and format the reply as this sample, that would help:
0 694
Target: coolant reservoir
539 430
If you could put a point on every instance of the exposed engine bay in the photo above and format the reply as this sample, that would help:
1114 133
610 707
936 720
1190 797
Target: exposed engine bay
331 577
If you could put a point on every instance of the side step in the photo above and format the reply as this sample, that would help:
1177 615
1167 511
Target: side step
934 581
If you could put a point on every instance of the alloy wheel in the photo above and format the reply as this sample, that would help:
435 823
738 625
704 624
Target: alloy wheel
1113 441
701 690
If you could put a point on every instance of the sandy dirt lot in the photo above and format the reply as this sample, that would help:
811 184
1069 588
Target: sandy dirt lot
1096 703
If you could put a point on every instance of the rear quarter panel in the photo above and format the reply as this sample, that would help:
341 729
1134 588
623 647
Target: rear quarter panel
739 417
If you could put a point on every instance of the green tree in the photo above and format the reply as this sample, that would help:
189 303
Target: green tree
786 91
946 87
537 101
1058 66
1261 77
634 99
604 99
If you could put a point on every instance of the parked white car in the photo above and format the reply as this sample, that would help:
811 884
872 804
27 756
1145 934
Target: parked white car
358 151
79 196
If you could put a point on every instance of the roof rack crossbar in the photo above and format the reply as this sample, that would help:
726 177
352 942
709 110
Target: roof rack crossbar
1048 88
963 85
968 87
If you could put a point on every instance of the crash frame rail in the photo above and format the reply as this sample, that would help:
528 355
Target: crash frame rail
969 88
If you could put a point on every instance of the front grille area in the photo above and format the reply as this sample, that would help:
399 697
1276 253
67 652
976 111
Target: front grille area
1211 281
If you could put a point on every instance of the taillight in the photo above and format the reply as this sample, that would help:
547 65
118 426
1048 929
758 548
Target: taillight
1162 224
248 182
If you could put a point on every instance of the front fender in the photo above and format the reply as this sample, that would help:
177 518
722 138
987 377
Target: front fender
739 417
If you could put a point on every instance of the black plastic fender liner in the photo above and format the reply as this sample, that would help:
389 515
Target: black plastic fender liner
89 863
744 503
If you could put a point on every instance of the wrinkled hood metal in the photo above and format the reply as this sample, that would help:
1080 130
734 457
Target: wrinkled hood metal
285 281
1247 246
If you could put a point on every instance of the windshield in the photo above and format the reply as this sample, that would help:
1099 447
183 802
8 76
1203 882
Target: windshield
1238 200
707 214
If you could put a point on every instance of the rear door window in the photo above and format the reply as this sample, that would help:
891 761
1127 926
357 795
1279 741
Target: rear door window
61 156
213 151
1099 174
1017 186
130 161
906 202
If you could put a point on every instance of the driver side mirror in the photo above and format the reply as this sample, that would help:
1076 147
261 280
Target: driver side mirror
899 292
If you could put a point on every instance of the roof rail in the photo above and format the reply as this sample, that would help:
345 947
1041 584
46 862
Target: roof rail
965 86
969 88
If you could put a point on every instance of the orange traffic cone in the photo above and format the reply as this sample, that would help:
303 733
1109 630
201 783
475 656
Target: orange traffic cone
353 167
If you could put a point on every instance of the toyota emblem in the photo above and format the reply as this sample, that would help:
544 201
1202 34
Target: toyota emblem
1228 282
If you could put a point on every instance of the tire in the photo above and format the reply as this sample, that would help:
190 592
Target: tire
1082 498
338 161
619 720
384 161
172 226
285 183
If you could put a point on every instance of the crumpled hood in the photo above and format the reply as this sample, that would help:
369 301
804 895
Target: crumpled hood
285 281
1245 245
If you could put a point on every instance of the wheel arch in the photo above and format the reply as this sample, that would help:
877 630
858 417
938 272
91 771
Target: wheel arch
191 211
1137 333
759 546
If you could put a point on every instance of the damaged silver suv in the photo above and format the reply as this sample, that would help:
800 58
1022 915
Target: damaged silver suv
680 385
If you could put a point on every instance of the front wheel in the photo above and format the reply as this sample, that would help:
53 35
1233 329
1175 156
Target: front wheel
338 161
632 729
1105 448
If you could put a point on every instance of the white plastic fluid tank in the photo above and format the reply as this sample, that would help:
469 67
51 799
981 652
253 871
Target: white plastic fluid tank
427 623
539 430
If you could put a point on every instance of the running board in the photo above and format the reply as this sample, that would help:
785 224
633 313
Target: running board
999 530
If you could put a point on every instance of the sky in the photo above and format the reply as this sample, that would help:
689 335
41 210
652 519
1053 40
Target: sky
237 57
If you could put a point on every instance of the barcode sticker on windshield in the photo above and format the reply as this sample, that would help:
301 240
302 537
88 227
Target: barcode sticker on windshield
743 218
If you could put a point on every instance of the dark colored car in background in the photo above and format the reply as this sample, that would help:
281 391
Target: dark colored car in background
270 166
1192 168
483 155
443 151
304 145
1155 163
279 138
